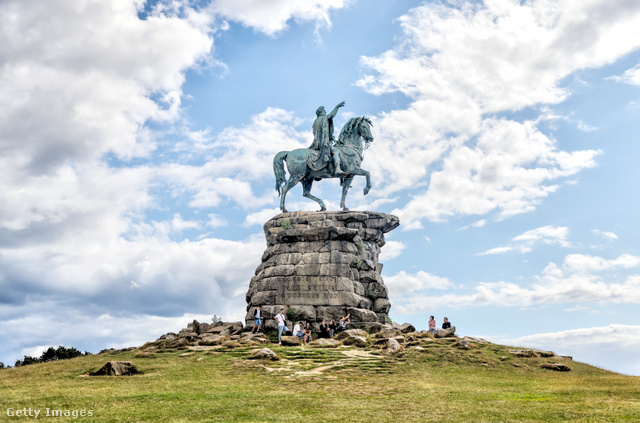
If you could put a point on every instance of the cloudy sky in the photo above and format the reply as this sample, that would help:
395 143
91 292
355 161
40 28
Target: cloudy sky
136 145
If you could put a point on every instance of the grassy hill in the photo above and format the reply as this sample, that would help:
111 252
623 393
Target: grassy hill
441 383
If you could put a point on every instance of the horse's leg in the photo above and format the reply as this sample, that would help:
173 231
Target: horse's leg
360 171
306 191
346 184
293 180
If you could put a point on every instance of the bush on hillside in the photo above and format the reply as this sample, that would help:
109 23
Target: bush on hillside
52 354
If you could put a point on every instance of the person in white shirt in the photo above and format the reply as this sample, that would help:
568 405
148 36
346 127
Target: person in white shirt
282 324
297 331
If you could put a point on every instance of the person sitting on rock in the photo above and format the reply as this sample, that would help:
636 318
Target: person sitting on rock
307 334
446 324
258 322
432 325
332 328
297 331
324 330
344 322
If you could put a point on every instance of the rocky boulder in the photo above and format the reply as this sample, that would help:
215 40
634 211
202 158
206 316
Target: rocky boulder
446 333
116 368
557 367
264 354
225 328
532 353
290 341
325 343
407 328
213 339
393 346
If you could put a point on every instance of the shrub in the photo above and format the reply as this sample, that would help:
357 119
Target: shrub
52 354
293 316
286 224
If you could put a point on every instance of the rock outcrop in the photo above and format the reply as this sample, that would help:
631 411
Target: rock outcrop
116 368
445 333
323 265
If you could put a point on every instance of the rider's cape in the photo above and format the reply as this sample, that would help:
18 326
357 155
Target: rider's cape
320 149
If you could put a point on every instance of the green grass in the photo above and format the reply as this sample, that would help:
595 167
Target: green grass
440 384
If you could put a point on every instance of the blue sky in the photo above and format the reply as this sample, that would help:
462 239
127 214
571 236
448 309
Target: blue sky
137 140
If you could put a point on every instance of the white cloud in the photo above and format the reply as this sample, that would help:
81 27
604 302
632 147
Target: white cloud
216 221
79 78
260 217
590 345
577 281
404 283
272 16
546 234
477 224
50 325
80 84
524 243
630 76
460 65
586 127
583 263
502 250
391 250
605 234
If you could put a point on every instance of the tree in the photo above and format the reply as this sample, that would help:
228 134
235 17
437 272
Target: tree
52 354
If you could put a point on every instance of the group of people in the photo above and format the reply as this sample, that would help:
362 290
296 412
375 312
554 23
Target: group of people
432 324
300 330
328 330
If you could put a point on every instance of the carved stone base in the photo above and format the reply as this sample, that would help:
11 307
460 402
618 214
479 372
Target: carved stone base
323 265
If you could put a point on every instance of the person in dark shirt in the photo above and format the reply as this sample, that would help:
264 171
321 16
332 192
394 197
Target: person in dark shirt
332 328
324 330
307 333
446 324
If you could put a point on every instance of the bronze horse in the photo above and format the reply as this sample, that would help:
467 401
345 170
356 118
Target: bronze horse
349 145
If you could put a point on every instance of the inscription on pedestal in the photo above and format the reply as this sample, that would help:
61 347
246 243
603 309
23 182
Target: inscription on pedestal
311 290
310 283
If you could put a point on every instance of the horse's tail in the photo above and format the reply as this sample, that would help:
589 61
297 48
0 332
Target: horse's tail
278 170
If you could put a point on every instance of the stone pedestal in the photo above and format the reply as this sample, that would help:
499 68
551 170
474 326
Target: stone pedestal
323 265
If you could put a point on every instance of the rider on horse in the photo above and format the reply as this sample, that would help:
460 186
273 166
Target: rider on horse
321 151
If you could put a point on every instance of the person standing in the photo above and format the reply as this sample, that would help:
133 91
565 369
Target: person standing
258 321
432 325
282 324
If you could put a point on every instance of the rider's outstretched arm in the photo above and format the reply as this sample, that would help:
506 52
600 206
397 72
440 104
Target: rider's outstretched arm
334 112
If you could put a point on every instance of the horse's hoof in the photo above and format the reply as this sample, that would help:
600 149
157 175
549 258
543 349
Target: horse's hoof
285 211
345 209
366 191
323 209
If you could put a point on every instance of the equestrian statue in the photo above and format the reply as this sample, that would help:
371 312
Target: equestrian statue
326 157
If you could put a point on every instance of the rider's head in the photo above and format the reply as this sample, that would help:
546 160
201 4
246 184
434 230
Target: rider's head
320 111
